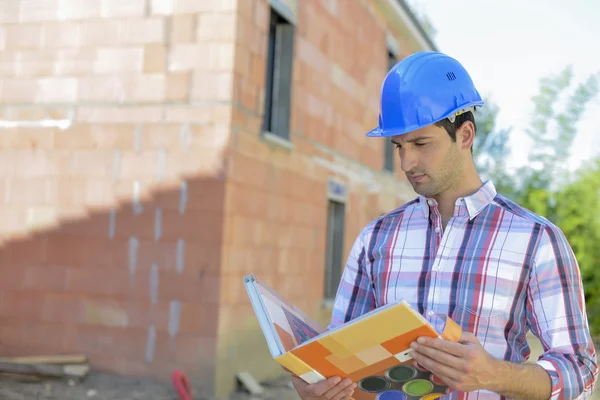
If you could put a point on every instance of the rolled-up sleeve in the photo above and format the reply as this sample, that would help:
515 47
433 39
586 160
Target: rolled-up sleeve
355 295
556 314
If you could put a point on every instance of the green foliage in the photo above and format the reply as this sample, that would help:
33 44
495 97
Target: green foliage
571 201
577 212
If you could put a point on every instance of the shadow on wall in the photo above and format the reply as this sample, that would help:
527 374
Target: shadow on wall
135 287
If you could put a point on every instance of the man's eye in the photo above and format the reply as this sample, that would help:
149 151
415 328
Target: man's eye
420 144
396 145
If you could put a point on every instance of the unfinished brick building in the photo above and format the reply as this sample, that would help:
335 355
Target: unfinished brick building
152 152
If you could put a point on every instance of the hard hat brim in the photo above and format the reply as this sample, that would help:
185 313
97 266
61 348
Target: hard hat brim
378 132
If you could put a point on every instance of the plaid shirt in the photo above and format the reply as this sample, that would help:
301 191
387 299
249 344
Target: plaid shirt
497 269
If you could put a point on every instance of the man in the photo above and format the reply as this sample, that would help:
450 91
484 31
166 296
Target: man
464 250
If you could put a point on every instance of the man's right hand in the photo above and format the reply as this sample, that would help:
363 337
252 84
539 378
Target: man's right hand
333 388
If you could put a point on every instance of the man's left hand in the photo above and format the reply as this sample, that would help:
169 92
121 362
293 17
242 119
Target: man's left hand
464 366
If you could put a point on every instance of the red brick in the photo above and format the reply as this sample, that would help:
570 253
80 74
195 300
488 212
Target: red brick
205 195
18 90
174 287
183 28
56 90
147 114
102 32
45 278
185 56
124 342
9 13
76 61
35 63
216 27
191 6
62 34
141 226
242 61
261 15
31 191
99 193
193 224
194 319
155 136
102 88
148 88
38 10
43 335
212 85
177 87
212 56
97 136
248 94
249 171
109 281
161 7
249 35
119 60
79 9
155 58
144 31
28 138
142 314
119 8
248 201
22 304
66 191
138 165
185 351
213 138
62 308
2 38
92 163
189 114
23 36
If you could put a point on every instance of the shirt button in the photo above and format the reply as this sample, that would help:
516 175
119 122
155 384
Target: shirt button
437 230
430 313
430 202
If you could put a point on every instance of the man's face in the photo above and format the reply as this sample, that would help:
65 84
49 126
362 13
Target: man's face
432 162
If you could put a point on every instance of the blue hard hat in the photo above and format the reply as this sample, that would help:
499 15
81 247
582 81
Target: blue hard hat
422 89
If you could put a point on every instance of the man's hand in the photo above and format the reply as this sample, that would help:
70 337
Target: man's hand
333 388
464 366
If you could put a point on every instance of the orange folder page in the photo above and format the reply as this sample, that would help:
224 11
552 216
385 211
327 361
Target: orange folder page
372 350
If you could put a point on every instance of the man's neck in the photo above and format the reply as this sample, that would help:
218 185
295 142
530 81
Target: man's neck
447 200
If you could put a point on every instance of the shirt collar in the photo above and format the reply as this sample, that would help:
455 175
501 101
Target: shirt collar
470 205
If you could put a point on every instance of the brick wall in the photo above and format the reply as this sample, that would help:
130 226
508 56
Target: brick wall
113 125
137 189
276 204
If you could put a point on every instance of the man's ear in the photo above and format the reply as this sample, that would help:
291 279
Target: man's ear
465 135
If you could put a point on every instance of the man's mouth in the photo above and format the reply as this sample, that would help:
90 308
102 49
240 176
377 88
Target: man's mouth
416 178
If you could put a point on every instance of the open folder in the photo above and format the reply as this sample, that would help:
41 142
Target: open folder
372 350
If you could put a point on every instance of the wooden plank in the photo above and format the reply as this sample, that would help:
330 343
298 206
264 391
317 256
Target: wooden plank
49 370
20 377
56 359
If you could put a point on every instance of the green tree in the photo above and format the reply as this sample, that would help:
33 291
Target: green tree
553 132
571 201
577 213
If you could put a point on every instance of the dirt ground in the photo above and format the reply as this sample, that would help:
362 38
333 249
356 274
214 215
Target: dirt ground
101 386
96 386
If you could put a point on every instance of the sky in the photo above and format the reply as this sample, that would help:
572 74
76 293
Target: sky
508 46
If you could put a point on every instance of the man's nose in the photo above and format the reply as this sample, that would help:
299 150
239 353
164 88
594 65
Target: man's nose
408 160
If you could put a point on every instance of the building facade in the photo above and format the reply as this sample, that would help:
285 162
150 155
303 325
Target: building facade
153 152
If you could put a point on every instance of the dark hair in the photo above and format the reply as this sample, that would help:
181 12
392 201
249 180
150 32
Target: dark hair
452 127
